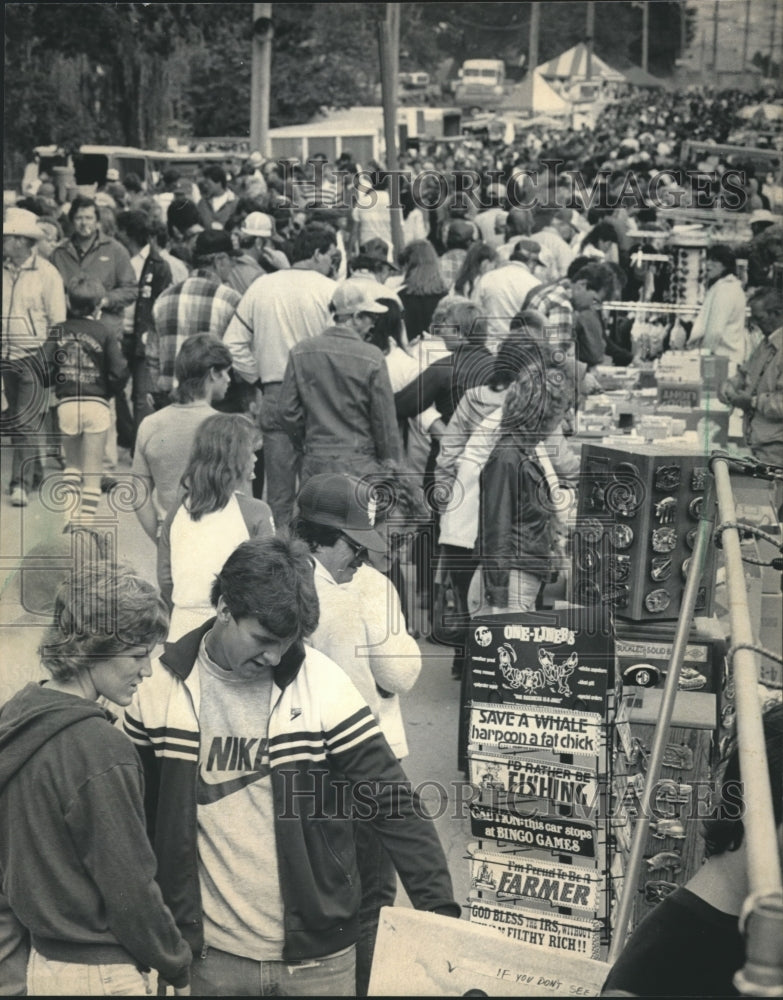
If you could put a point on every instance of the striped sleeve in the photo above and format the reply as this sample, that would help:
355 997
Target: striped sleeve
316 747
166 741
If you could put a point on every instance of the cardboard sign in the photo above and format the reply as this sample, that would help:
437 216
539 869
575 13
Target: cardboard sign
513 729
419 954
511 878
688 396
554 934
555 834
539 662
532 787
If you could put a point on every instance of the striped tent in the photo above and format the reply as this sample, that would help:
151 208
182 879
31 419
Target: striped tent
535 94
572 65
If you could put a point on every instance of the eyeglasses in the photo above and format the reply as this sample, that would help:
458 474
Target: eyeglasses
360 552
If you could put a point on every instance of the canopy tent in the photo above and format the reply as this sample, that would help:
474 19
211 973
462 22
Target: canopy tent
572 65
770 112
534 94
641 78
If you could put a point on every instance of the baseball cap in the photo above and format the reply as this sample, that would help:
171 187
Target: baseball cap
337 501
354 296
371 253
212 241
530 250
762 215
112 174
258 224
565 215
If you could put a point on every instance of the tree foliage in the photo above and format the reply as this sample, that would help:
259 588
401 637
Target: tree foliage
134 73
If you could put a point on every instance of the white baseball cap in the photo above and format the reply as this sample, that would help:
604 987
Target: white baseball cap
258 224
356 296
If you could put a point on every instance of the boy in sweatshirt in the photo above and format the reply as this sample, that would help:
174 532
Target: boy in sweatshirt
87 368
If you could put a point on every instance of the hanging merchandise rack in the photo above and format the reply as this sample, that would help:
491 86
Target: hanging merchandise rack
761 920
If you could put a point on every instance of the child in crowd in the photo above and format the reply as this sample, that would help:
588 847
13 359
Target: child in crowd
86 369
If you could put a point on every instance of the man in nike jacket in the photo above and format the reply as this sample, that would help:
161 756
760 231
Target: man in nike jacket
258 752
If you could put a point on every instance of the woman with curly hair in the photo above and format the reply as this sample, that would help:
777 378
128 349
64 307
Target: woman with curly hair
81 913
212 518
517 513
423 286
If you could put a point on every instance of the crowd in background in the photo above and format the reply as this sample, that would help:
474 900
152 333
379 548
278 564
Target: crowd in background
259 344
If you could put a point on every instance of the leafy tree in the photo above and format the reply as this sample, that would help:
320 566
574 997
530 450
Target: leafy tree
132 73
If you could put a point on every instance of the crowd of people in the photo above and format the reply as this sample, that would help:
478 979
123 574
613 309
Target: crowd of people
340 406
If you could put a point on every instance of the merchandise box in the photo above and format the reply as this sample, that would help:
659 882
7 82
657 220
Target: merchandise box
642 660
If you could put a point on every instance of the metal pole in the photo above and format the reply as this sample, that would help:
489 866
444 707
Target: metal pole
762 917
661 738
261 76
590 30
645 33
535 28
772 29
760 834
388 46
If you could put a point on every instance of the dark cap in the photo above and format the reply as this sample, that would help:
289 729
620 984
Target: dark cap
529 251
565 215
341 502
378 250
461 234
213 241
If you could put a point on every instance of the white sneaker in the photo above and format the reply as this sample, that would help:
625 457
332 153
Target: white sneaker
18 497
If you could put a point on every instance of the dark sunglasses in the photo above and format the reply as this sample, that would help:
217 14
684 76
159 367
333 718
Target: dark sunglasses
360 552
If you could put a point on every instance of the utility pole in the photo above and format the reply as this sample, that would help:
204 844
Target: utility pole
702 50
261 77
590 33
684 27
715 40
645 33
389 51
773 26
745 37
535 27
780 64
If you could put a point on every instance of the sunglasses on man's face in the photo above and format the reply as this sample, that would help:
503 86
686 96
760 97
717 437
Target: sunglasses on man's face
360 553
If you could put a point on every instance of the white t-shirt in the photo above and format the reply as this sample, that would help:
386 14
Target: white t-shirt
198 551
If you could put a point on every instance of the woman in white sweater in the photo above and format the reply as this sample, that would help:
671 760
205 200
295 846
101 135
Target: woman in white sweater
211 519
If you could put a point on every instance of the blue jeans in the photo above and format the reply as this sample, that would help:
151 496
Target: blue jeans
281 459
220 974
48 978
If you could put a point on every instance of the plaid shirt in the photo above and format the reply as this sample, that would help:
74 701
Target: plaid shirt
554 302
450 264
200 304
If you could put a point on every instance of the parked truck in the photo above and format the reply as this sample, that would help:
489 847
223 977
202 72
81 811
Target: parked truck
481 83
